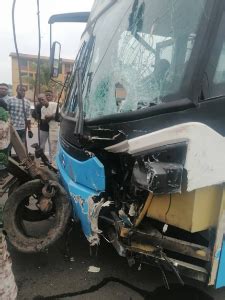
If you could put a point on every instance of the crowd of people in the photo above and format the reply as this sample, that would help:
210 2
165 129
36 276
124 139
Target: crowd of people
18 112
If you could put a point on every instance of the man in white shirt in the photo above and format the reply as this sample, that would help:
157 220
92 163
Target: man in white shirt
48 112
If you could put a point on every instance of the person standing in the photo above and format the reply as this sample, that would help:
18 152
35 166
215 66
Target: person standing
48 112
20 115
49 96
43 124
4 90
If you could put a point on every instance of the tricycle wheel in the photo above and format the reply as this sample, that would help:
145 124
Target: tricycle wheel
22 234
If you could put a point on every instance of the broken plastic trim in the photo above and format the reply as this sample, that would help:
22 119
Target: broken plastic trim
158 177
94 209
93 215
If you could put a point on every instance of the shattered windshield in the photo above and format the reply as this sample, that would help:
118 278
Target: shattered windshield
140 54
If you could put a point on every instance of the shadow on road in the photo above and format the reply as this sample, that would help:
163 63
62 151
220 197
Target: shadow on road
51 275
176 292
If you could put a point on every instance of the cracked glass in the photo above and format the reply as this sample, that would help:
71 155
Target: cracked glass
140 54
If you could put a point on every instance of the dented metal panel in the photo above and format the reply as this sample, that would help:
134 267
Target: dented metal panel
88 173
84 181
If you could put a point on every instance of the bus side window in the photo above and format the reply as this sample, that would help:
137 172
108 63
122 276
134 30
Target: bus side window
214 77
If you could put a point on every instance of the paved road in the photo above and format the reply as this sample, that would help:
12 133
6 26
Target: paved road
51 276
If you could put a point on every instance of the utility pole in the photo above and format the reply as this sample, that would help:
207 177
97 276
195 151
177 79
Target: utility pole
8 288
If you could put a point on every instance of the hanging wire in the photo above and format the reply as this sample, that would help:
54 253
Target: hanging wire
37 86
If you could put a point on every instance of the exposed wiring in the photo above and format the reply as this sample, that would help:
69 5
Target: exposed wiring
172 266
165 227
19 65
168 208
162 257
160 266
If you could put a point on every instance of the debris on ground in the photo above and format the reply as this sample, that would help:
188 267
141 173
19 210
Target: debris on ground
93 269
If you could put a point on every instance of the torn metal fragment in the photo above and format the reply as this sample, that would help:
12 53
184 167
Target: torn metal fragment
93 214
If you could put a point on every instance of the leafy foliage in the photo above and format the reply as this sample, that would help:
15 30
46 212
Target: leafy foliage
44 77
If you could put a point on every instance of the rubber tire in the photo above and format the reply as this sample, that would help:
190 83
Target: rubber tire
14 233
30 215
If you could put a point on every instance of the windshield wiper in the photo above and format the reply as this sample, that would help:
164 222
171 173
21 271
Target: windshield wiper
80 83
79 128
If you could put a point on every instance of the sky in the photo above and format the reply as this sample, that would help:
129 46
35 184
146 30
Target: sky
26 29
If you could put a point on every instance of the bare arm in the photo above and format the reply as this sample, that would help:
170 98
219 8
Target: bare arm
28 116
28 124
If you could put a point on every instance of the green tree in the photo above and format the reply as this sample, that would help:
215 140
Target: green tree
44 78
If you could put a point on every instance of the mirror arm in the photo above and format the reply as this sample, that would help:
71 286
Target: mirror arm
50 38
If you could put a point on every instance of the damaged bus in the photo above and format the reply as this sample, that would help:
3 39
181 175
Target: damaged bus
141 145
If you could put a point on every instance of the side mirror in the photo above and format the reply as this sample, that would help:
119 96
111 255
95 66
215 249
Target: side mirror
55 59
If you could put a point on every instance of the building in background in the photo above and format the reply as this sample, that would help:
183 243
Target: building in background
28 71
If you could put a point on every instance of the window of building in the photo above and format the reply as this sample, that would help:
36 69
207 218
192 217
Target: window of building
32 65
24 74
23 63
